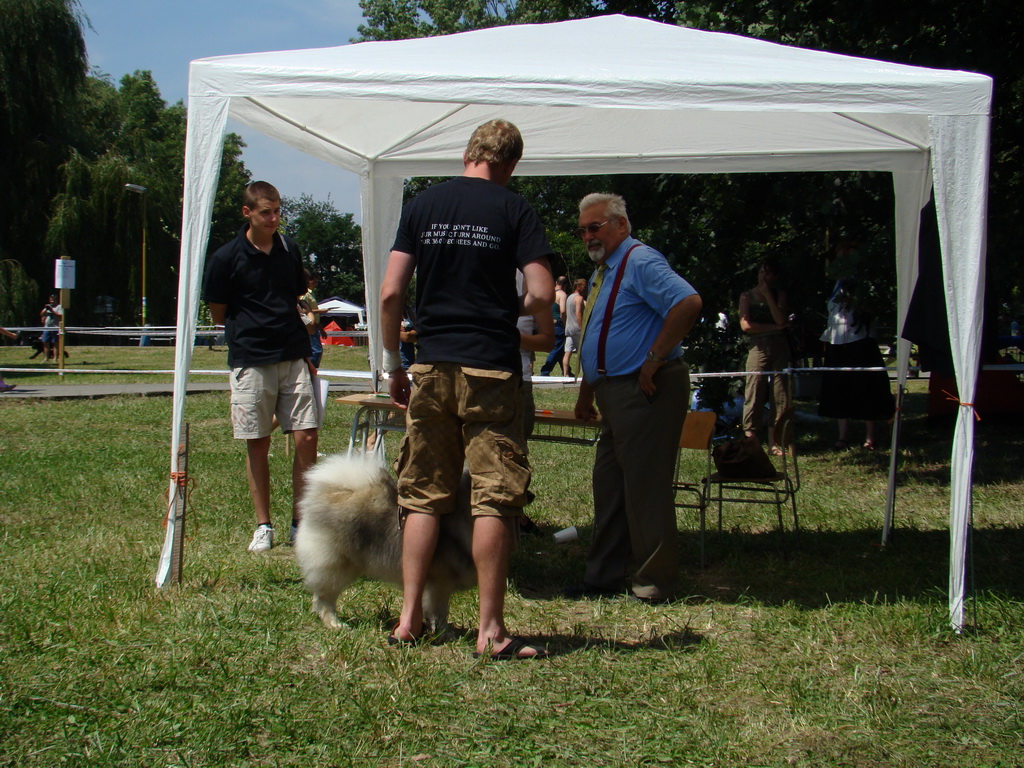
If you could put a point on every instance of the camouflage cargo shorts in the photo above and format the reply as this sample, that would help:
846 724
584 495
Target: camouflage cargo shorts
461 414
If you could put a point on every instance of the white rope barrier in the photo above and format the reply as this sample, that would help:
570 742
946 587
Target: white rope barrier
347 374
116 330
145 330
324 373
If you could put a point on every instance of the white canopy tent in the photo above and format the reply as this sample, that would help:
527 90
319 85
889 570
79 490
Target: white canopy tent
609 95
336 306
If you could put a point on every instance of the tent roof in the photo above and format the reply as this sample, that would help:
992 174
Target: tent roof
406 107
337 306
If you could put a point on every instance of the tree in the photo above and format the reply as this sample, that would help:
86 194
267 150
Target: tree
42 69
948 34
72 142
17 293
404 19
129 135
331 242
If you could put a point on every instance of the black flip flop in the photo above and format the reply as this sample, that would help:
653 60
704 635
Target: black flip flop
511 652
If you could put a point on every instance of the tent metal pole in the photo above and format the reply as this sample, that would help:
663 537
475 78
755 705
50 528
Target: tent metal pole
890 493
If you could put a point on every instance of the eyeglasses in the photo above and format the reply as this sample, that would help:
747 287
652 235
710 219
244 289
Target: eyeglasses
590 229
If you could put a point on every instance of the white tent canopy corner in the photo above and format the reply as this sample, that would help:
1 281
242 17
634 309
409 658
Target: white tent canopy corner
606 95
336 306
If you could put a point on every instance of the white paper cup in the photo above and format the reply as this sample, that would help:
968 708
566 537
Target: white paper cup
566 535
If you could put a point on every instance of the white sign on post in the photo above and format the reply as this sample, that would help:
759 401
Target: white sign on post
64 274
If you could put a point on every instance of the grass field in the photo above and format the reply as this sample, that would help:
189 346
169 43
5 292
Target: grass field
816 648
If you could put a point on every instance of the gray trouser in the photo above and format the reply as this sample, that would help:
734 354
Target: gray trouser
767 353
634 514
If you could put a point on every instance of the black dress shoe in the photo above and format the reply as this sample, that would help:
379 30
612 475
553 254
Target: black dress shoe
584 591
651 600
529 528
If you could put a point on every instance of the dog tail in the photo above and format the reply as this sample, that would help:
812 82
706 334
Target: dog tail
351 473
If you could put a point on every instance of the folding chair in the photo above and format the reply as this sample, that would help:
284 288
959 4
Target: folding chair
779 489
698 429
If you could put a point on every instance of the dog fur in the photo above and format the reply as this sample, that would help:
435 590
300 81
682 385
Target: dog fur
350 530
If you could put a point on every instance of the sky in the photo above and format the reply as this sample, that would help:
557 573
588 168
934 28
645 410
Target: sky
127 35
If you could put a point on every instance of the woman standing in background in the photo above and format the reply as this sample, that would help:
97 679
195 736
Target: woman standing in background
764 316
850 343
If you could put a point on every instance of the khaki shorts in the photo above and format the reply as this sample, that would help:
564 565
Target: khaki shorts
460 414
572 342
282 389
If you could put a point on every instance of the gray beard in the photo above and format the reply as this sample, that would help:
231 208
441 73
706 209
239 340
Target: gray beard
596 254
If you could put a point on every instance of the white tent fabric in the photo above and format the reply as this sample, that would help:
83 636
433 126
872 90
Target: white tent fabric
612 94
335 306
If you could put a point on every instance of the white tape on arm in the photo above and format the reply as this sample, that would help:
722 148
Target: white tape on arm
392 360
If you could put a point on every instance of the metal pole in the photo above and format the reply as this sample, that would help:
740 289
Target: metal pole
141 190
890 491
64 297
143 260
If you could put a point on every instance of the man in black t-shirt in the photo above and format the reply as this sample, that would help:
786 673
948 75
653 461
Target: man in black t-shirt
252 285
465 239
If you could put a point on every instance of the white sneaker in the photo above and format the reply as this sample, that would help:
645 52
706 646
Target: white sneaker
262 539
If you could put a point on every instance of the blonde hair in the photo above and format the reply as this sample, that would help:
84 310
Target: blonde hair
496 142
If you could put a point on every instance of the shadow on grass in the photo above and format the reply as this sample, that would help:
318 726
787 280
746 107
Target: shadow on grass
809 569
925 446
684 640
559 644
815 568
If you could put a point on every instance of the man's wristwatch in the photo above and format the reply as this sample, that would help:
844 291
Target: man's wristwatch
653 358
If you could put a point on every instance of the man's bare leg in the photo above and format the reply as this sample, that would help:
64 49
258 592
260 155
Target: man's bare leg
492 547
419 540
257 469
305 458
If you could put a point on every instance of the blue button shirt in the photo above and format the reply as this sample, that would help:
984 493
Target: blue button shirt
649 289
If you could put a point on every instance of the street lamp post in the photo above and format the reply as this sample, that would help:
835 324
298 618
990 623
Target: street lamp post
141 190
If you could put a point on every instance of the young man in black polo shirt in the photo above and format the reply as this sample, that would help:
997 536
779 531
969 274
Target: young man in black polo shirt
252 286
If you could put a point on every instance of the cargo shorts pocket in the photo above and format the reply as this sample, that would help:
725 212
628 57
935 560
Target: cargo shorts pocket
501 478
245 413
431 389
491 396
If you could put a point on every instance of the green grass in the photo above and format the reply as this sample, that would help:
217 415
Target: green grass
816 648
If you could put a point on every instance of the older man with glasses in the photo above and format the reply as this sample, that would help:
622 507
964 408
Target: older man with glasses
638 312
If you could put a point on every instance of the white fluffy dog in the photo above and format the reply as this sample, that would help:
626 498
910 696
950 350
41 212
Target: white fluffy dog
350 529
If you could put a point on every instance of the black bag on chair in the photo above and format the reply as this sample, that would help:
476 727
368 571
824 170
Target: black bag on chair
742 458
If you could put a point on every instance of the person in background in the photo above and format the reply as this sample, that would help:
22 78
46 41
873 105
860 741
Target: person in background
574 306
407 339
536 334
4 386
316 345
466 406
638 312
252 285
558 315
50 316
764 316
850 343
